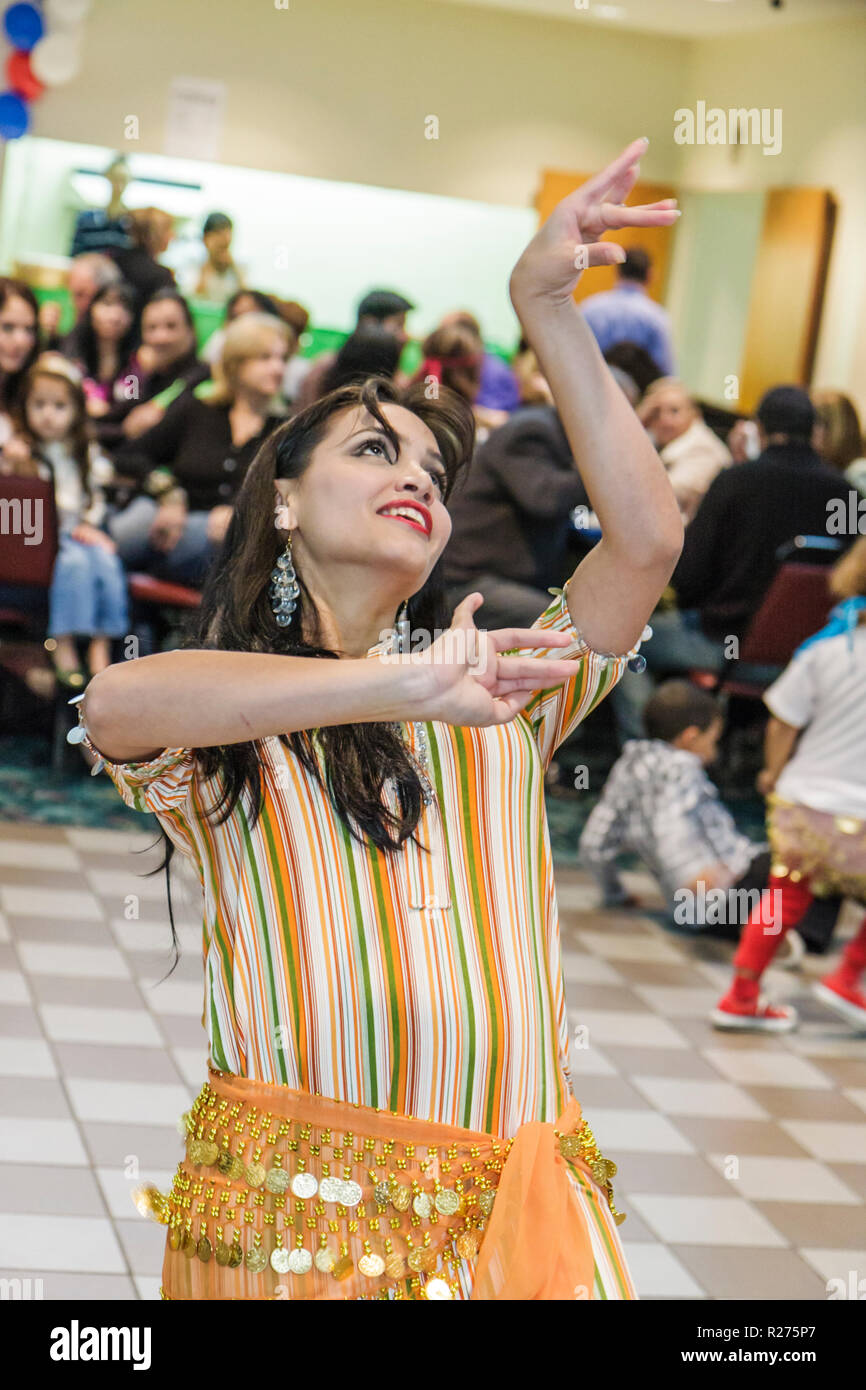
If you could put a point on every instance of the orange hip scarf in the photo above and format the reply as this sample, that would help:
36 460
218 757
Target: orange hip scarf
283 1194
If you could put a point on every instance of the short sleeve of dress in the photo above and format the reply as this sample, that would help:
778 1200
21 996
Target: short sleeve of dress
555 711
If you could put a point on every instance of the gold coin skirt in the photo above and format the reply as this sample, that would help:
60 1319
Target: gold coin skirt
283 1194
827 851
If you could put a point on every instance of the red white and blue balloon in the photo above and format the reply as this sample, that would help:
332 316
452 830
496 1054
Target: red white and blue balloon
46 52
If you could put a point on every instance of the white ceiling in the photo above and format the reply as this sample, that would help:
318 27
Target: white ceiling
681 18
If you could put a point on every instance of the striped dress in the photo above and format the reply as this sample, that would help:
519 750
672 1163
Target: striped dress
424 983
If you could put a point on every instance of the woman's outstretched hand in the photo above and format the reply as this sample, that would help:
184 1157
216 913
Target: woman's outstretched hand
569 241
471 682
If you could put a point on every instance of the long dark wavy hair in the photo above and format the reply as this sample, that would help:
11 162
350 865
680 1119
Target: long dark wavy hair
351 761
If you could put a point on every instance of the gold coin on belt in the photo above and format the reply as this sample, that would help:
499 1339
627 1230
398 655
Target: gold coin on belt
343 1267
222 1253
236 1256
204 1250
352 1192
331 1190
569 1146
395 1267
485 1201
236 1169
429 1260
255 1260
189 1244
325 1259
371 1266
437 1289
224 1162
174 1237
401 1198
255 1174
304 1186
382 1193
448 1203
209 1153
277 1180
280 1260
194 1150
422 1205
467 1245
416 1260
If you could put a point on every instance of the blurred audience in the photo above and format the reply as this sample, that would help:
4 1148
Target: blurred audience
636 362
689 450
498 389
627 313
370 351
383 307
103 229
192 463
166 364
89 272
19 346
511 519
838 436
106 344
149 231
454 357
219 277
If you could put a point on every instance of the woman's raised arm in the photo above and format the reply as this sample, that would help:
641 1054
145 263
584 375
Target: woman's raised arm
615 588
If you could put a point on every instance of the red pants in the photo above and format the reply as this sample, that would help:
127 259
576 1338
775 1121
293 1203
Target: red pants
766 928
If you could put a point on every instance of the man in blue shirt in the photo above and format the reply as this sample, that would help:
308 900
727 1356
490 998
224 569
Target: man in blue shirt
627 314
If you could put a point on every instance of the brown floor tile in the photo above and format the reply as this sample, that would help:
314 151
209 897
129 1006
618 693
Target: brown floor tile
29 830
686 1175
8 957
590 996
611 1092
842 1071
19 1021
734 1273
804 1103
39 1096
96 994
818 1225
646 972
41 1190
739 1137
182 1030
103 1062
154 1147
67 931
852 1174
685 1065
42 877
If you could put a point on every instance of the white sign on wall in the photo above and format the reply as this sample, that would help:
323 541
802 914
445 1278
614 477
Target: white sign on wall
194 118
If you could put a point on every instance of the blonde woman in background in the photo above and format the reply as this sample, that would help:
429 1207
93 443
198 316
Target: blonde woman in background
193 462
689 450
838 436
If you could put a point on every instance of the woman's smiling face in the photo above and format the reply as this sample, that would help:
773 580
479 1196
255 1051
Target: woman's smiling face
346 505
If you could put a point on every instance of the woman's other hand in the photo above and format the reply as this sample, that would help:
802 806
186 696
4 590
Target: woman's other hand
168 526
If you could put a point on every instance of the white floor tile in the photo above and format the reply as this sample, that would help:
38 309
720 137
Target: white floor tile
635 1131
705 1221
83 1243
120 883
630 946
830 1140
156 936
69 1023
579 968
847 1265
626 1028
117 1188
148 1287
773 1179
5 934
25 1057
173 996
710 1099
577 897
657 1272
45 857
13 988
59 904
28 1140
110 841
85 962
762 1066
192 1064
127 1102
857 1096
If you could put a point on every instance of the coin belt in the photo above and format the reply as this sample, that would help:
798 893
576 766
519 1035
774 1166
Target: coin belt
265 1206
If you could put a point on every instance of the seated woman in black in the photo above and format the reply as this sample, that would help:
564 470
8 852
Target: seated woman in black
192 463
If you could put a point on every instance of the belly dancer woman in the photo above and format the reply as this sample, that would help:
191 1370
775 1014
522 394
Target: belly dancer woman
388 1111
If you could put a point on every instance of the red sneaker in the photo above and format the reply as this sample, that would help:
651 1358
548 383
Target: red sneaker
847 1001
756 1017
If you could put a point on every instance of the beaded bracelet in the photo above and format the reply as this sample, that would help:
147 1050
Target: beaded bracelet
81 734
633 659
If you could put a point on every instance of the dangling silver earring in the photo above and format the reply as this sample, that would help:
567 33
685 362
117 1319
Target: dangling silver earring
403 630
284 586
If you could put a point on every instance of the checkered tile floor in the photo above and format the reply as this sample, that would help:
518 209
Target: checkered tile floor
742 1160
